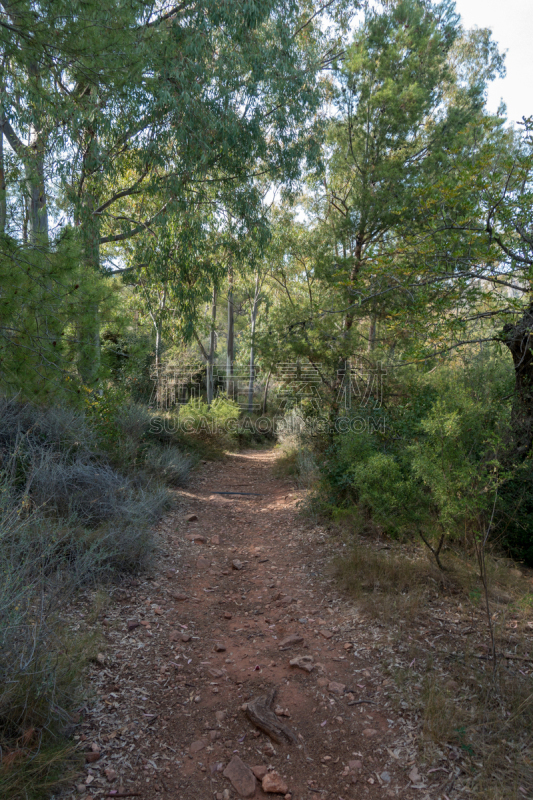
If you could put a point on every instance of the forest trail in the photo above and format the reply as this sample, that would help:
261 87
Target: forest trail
209 631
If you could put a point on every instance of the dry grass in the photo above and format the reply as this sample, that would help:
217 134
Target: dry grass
296 462
68 519
476 713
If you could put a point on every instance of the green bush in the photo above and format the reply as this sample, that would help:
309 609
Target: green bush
218 422
436 468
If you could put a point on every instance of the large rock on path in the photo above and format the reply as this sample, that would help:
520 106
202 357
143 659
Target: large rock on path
241 777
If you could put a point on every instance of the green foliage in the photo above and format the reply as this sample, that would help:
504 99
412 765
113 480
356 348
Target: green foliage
219 418
440 463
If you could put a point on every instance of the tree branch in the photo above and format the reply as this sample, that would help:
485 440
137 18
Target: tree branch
199 341
124 193
14 142
142 226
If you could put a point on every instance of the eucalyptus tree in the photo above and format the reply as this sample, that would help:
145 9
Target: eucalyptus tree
148 102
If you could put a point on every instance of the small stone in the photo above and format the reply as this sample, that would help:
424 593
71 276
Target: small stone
236 564
196 537
174 636
191 518
355 765
274 783
226 794
185 637
220 716
215 539
241 777
385 777
111 775
369 732
286 600
202 563
159 611
290 641
228 615
219 648
214 735
336 688
100 658
197 746
348 646
179 596
303 662
260 772
326 634
414 776
322 682
91 757
132 624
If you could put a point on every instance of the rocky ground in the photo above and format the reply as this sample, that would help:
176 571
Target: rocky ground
240 603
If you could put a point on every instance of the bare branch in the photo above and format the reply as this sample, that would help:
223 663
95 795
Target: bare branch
14 142
142 226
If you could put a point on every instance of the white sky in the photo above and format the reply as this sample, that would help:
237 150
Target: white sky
511 22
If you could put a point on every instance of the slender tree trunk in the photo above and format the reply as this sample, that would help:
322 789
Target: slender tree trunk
354 272
3 200
252 346
230 355
265 393
211 353
35 180
89 357
157 319
372 333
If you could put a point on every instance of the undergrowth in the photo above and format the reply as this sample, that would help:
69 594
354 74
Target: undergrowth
479 713
79 494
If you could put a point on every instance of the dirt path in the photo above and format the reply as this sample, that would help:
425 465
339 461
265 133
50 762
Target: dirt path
185 650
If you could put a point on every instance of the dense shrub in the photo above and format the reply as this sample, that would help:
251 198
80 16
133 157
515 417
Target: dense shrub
440 463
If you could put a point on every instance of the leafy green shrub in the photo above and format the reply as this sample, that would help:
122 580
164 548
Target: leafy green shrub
436 468
216 419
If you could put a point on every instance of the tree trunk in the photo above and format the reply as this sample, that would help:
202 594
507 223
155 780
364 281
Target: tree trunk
89 323
354 272
211 354
230 355
265 394
252 346
34 170
372 333
519 340
3 201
